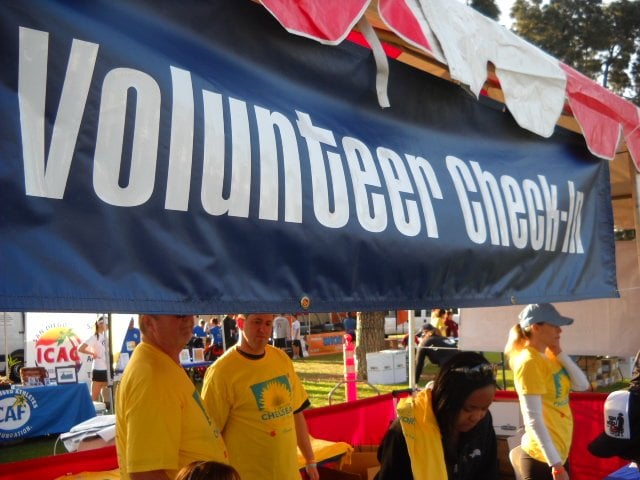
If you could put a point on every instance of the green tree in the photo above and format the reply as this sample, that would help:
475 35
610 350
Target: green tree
486 7
599 40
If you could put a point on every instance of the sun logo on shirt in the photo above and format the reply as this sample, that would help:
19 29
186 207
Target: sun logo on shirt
274 396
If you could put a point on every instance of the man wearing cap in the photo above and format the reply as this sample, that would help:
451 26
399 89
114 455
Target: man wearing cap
543 376
621 435
435 347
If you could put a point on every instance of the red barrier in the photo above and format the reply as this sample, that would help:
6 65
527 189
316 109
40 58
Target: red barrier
362 422
587 409
98 460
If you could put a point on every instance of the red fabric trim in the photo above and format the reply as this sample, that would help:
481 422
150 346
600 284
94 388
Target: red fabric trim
403 22
44 468
602 115
325 21
363 422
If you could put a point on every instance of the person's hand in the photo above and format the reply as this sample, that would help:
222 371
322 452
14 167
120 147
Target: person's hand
555 348
559 473
312 471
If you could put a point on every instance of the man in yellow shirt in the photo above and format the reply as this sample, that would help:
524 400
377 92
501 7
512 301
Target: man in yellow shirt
161 424
253 393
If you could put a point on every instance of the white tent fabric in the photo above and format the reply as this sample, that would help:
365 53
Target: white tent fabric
601 327
532 81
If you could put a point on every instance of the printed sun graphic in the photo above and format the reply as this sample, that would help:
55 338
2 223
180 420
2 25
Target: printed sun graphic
274 396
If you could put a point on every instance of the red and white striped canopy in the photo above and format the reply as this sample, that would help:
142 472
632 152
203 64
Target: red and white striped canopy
537 87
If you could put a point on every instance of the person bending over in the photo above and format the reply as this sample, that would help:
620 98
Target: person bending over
445 431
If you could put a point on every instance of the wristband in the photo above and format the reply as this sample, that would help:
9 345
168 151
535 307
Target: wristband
313 464
557 470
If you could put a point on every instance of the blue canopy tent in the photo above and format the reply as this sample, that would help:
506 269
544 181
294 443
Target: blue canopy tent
195 157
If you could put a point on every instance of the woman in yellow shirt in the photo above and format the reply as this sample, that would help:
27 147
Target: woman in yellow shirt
543 376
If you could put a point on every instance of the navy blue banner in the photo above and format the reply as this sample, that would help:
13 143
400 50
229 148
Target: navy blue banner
193 157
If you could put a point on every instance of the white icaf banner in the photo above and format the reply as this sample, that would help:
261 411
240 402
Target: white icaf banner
52 341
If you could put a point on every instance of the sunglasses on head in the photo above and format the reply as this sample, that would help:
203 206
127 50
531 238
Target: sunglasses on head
482 370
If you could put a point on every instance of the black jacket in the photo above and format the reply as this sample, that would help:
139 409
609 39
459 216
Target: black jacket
476 460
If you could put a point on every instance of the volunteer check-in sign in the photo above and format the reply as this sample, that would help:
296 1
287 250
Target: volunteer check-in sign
148 164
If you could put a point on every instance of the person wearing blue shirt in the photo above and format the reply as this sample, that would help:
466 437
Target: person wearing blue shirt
216 333
350 325
199 334
198 330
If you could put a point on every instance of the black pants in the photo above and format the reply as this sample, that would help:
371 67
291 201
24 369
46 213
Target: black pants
420 359
532 469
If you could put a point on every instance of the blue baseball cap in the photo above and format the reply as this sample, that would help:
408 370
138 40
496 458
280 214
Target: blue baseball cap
542 313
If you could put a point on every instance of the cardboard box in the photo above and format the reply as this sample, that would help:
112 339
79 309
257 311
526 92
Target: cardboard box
363 463
332 474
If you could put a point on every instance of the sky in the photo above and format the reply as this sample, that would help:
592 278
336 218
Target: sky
505 8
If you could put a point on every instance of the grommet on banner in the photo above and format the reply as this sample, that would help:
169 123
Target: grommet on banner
305 303
513 300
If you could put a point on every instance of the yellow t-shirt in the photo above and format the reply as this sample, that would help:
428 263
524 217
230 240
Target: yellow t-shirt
161 423
253 401
422 434
537 374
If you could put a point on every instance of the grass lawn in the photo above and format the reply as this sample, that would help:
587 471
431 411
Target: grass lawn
319 376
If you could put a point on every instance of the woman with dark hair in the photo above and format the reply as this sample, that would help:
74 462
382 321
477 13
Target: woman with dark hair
209 470
445 432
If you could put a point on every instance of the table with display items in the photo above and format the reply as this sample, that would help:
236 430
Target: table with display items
196 370
42 410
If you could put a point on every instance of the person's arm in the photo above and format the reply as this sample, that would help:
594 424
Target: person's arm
88 349
84 348
579 381
532 415
393 455
215 398
304 444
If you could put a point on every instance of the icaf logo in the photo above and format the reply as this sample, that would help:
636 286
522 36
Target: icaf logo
15 410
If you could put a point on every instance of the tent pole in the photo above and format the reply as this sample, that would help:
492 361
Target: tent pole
110 372
6 345
635 178
411 347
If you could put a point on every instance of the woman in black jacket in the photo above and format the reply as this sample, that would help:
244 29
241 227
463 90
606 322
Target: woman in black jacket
445 432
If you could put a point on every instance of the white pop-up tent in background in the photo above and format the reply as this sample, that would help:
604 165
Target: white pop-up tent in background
601 327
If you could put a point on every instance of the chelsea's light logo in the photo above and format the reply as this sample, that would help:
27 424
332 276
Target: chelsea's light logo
273 397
